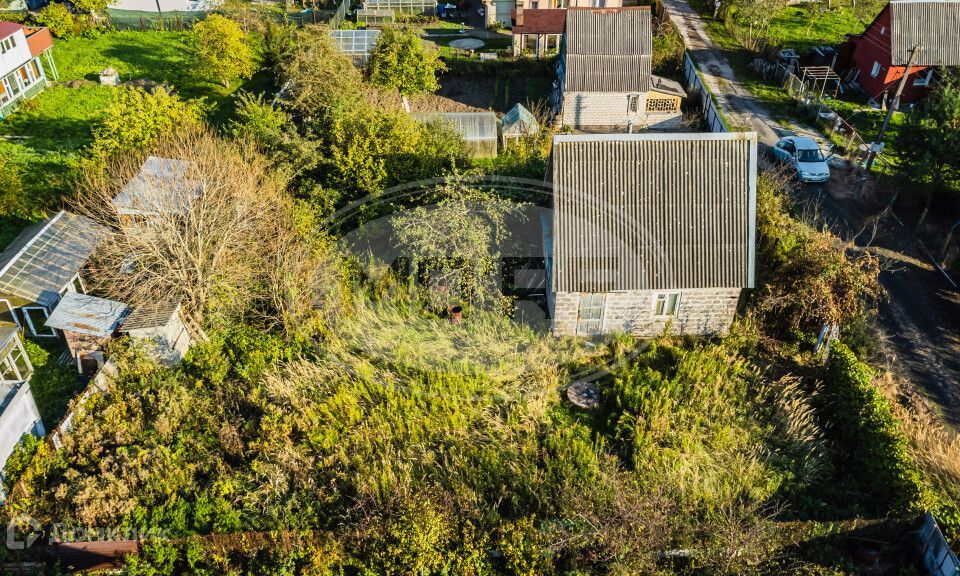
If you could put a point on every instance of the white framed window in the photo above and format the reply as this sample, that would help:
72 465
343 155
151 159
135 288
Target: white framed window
633 103
666 303
875 71
923 80
36 317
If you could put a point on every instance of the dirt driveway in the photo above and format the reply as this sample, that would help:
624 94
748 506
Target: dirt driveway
920 320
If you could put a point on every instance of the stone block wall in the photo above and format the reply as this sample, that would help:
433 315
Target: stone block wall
705 311
582 109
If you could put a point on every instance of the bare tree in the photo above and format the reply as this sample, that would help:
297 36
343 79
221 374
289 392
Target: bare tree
199 222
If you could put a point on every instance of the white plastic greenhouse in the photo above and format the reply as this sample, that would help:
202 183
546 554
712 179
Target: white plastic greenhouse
478 129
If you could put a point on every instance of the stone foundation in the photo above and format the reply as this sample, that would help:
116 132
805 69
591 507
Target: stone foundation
703 311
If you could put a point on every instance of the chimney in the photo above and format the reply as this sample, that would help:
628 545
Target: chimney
519 16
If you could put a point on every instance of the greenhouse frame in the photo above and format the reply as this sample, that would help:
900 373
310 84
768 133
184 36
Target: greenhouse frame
358 44
375 16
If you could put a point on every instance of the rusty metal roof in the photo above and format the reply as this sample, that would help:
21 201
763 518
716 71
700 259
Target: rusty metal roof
653 211
87 314
608 50
934 25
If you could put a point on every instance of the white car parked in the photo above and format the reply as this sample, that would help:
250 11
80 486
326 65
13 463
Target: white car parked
804 155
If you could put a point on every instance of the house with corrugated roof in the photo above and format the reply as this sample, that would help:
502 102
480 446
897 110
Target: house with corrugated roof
650 232
877 58
604 76
43 264
19 415
90 323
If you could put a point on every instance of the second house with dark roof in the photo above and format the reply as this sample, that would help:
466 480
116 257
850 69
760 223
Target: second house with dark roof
604 78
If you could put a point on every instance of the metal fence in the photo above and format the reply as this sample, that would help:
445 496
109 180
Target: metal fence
711 112
847 140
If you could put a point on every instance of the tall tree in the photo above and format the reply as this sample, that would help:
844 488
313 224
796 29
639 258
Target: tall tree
222 50
400 60
929 142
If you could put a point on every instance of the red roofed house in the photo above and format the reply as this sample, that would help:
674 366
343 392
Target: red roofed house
21 72
502 10
877 58
533 30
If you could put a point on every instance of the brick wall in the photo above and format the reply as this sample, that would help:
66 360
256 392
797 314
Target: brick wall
601 109
707 311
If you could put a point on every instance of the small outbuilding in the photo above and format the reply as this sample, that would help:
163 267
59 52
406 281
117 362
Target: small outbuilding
478 129
518 122
88 323
41 265
163 327
161 187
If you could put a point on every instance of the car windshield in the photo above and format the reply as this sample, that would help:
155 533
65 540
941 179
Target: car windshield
809 155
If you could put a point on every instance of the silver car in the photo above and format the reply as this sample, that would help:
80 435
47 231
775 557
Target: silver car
804 155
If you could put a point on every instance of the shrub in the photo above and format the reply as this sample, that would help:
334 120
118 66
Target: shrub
57 18
222 50
19 460
137 119
869 434
400 60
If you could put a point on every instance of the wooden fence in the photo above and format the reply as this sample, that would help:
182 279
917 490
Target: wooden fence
695 85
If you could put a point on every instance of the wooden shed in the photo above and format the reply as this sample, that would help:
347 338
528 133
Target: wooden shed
88 323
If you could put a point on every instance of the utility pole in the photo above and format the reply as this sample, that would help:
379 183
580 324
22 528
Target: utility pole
894 104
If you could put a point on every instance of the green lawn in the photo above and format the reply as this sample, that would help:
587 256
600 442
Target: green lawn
47 135
808 26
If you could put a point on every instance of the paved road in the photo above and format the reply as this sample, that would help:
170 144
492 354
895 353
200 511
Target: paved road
920 321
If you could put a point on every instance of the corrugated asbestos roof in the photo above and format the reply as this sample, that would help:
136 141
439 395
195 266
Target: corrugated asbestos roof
608 50
152 316
160 187
45 257
934 25
87 314
469 125
653 211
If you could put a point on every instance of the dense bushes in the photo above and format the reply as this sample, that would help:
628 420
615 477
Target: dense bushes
810 277
874 448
